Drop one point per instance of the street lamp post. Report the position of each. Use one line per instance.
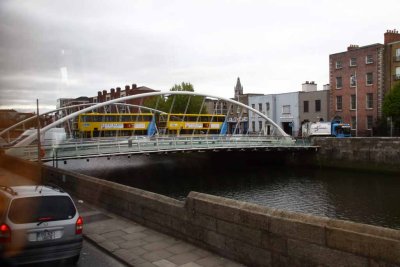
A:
(38, 133)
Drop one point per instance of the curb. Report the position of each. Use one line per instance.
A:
(109, 253)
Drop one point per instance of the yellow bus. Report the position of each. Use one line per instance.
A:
(114, 124)
(195, 124)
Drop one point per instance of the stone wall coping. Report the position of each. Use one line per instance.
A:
(124, 188)
(320, 221)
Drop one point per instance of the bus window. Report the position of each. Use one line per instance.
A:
(204, 118)
(147, 117)
(96, 118)
(125, 118)
(174, 118)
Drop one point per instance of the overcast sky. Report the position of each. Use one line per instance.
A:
(52, 49)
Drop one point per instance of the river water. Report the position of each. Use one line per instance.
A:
(370, 198)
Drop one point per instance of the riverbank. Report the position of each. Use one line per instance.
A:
(377, 154)
(248, 233)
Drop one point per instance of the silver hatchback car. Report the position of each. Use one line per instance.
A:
(38, 224)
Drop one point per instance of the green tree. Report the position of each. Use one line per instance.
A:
(391, 104)
(180, 103)
(156, 102)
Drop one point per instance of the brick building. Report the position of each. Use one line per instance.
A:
(392, 59)
(104, 95)
(359, 78)
(357, 86)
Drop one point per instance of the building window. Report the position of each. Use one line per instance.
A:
(397, 75)
(260, 107)
(353, 81)
(339, 102)
(353, 122)
(267, 104)
(253, 126)
(94, 99)
(369, 122)
(353, 62)
(260, 126)
(397, 57)
(317, 105)
(338, 64)
(305, 106)
(368, 59)
(353, 104)
(253, 106)
(339, 83)
(370, 101)
(268, 129)
(286, 109)
(369, 78)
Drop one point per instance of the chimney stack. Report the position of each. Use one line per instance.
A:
(309, 86)
(127, 92)
(391, 36)
(352, 47)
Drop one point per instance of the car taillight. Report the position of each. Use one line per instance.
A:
(79, 226)
(5, 233)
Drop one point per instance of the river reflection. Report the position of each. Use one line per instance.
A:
(356, 196)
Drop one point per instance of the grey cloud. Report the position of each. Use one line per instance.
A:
(273, 46)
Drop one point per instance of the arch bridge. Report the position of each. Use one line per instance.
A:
(153, 126)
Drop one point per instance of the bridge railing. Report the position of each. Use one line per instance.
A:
(136, 145)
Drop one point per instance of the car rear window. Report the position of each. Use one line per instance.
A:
(36, 209)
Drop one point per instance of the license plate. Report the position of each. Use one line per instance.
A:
(45, 235)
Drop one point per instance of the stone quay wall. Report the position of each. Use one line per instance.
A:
(371, 154)
(248, 233)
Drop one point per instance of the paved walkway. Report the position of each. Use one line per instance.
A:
(132, 243)
(140, 246)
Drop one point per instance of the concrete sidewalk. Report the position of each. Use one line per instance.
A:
(131, 243)
(140, 246)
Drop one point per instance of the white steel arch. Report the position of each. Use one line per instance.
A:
(33, 137)
(72, 107)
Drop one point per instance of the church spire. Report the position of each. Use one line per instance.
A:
(238, 88)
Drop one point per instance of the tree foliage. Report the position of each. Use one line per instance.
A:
(391, 103)
(156, 102)
(177, 103)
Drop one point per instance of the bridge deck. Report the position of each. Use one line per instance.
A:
(101, 147)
